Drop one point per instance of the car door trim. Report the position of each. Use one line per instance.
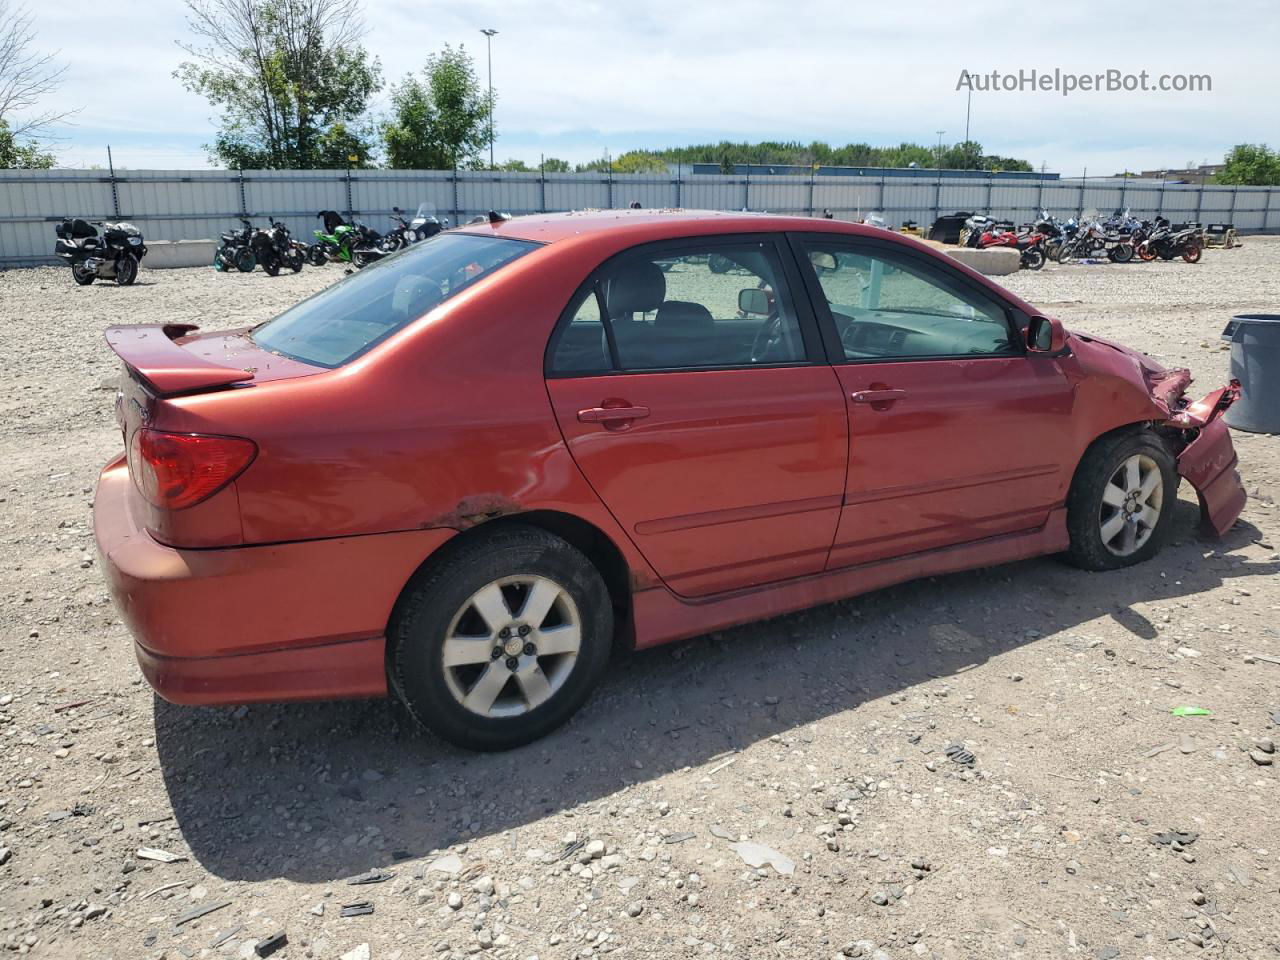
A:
(713, 518)
(916, 489)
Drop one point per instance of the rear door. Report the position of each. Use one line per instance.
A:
(955, 432)
(691, 388)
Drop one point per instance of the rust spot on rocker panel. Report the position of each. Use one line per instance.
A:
(474, 510)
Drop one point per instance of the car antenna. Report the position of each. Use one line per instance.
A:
(496, 217)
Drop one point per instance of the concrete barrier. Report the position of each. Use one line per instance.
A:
(167, 254)
(992, 262)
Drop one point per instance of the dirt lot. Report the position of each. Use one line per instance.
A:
(821, 735)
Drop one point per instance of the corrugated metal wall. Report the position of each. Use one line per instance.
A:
(196, 204)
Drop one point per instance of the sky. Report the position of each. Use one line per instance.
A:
(574, 79)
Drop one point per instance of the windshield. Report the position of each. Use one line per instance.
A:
(343, 321)
(425, 211)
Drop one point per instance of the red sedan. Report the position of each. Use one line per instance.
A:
(466, 472)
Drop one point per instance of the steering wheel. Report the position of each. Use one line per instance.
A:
(767, 337)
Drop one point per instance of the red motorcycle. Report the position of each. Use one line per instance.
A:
(1029, 245)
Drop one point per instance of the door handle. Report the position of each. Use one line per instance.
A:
(877, 396)
(611, 414)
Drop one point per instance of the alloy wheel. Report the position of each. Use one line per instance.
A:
(1132, 502)
(511, 646)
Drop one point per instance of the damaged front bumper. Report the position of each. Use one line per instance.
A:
(1209, 459)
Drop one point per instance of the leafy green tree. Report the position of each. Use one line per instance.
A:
(441, 120)
(555, 165)
(728, 155)
(15, 155)
(291, 79)
(1250, 164)
(516, 166)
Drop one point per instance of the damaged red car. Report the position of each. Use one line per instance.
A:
(465, 473)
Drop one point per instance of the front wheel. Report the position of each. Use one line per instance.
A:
(295, 259)
(1065, 252)
(1192, 253)
(126, 270)
(82, 275)
(271, 264)
(1121, 502)
(1146, 252)
(1121, 253)
(316, 255)
(502, 639)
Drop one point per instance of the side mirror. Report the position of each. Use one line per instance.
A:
(753, 301)
(1046, 335)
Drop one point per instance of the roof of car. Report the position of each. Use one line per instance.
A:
(652, 224)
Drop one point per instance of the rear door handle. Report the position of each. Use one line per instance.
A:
(611, 414)
(877, 396)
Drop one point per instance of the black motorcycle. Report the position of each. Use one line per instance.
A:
(275, 248)
(1166, 243)
(114, 255)
(236, 250)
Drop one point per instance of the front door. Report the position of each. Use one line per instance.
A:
(691, 390)
(955, 432)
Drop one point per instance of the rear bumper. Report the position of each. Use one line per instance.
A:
(292, 621)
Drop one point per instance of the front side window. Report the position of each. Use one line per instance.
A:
(889, 306)
(343, 321)
(704, 305)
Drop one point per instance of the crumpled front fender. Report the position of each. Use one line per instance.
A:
(1209, 460)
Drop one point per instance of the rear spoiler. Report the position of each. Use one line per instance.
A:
(151, 353)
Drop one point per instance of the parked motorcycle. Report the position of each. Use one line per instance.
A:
(1167, 243)
(352, 242)
(407, 232)
(1092, 240)
(1029, 245)
(236, 250)
(973, 229)
(115, 255)
(274, 249)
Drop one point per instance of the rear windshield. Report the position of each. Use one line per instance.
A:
(343, 321)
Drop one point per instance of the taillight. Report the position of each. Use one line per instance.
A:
(176, 470)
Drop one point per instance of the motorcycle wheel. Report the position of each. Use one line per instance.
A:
(1051, 250)
(271, 264)
(315, 255)
(1064, 252)
(245, 260)
(1192, 253)
(1033, 259)
(126, 270)
(82, 275)
(362, 258)
(1146, 252)
(1121, 253)
(295, 259)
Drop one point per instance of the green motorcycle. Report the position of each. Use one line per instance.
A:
(339, 240)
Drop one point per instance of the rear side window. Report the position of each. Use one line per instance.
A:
(707, 304)
(352, 316)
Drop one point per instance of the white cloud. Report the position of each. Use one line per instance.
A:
(575, 77)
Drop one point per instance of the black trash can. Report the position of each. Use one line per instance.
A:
(1255, 362)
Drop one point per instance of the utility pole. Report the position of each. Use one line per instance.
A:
(489, 34)
(940, 133)
(967, 106)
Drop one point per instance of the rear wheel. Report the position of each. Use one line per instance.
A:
(1146, 252)
(271, 263)
(82, 275)
(1121, 253)
(316, 255)
(295, 260)
(126, 270)
(1033, 258)
(502, 640)
(1121, 502)
(1192, 253)
(245, 260)
(1065, 252)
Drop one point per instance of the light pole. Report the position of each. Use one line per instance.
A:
(968, 104)
(488, 38)
(940, 133)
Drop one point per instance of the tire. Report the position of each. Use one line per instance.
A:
(1104, 475)
(1146, 252)
(1065, 251)
(126, 270)
(316, 256)
(295, 260)
(82, 275)
(441, 603)
(1192, 253)
(1033, 258)
(271, 263)
(1121, 253)
(245, 260)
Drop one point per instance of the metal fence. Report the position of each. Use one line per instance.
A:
(199, 204)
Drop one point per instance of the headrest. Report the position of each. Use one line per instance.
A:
(681, 315)
(638, 288)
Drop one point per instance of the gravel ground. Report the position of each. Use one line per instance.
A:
(821, 735)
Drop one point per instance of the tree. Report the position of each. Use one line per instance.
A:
(555, 165)
(291, 79)
(516, 166)
(25, 78)
(441, 120)
(1250, 164)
